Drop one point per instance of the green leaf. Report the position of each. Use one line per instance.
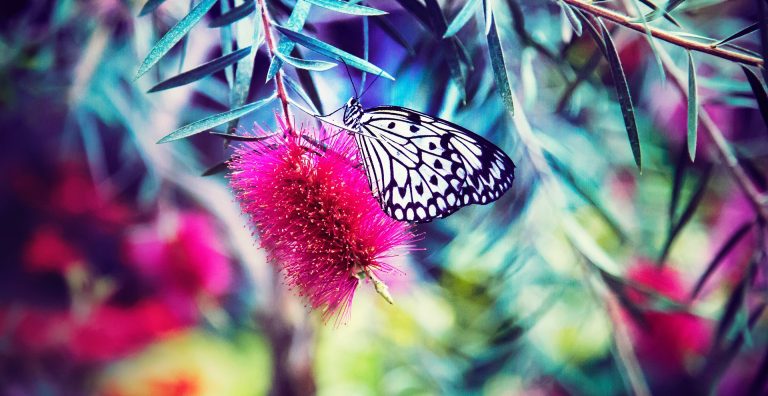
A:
(201, 71)
(687, 214)
(214, 120)
(693, 108)
(233, 15)
(622, 90)
(330, 51)
(285, 46)
(721, 254)
(743, 32)
(346, 8)
(150, 6)
(759, 90)
(499, 67)
(306, 64)
(461, 19)
(174, 35)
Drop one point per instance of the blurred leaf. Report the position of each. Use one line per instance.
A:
(233, 15)
(651, 41)
(346, 8)
(733, 306)
(247, 33)
(762, 19)
(743, 32)
(571, 17)
(461, 19)
(499, 67)
(285, 46)
(658, 12)
(221, 167)
(174, 35)
(678, 178)
(214, 120)
(622, 90)
(761, 378)
(150, 6)
(759, 90)
(306, 64)
(654, 7)
(693, 108)
(487, 15)
(451, 47)
(226, 43)
(394, 33)
(296, 87)
(687, 214)
(308, 85)
(201, 71)
(753, 171)
(333, 52)
(734, 239)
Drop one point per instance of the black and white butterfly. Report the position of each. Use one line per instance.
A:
(421, 167)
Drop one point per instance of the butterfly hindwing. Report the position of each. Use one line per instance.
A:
(421, 167)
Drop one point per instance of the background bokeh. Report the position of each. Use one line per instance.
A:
(125, 272)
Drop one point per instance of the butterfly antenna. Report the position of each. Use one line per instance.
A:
(346, 67)
(371, 84)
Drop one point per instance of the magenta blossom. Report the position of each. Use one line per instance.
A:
(316, 217)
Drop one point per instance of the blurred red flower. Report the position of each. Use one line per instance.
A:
(664, 341)
(48, 251)
(315, 214)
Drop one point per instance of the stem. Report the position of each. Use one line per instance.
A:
(280, 85)
(757, 199)
(664, 35)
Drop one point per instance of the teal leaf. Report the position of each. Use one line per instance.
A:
(687, 215)
(394, 33)
(247, 33)
(306, 64)
(461, 19)
(174, 35)
(759, 90)
(330, 51)
(693, 108)
(743, 32)
(622, 91)
(285, 46)
(201, 71)
(150, 6)
(570, 15)
(659, 12)
(214, 120)
(226, 43)
(296, 87)
(233, 15)
(499, 67)
(651, 41)
(346, 8)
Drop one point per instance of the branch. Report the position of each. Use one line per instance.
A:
(271, 47)
(664, 35)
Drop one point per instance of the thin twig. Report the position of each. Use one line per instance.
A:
(661, 34)
(271, 47)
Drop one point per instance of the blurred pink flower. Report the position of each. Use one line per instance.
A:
(105, 333)
(665, 341)
(315, 215)
(735, 211)
(181, 256)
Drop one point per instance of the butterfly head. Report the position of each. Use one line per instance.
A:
(353, 110)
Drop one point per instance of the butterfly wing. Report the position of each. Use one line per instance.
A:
(421, 167)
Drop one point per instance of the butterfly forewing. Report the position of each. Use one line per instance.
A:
(421, 167)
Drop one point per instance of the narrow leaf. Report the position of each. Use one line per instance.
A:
(296, 87)
(654, 7)
(734, 239)
(687, 214)
(226, 43)
(499, 67)
(759, 90)
(233, 15)
(285, 46)
(150, 6)
(221, 167)
(651, 41)
(451, 47)
(247, 33)
(625, 99)
(693, 108)
(461, 19)
(658, 12)
(394, 33)
(346, 8)
(174, 35)
(214, 120)
(572, 18)
(306, 64)
(333, 52)
(201, 71)
(743, 32)
(678, 178)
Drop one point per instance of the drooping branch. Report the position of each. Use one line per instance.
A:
(282, 95)
(670, 37)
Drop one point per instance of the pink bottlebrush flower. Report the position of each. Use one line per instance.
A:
(666, 341)
(316, 217)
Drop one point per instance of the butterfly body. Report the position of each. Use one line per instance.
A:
(421, 167)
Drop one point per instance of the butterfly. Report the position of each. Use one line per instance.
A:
(421, 167)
